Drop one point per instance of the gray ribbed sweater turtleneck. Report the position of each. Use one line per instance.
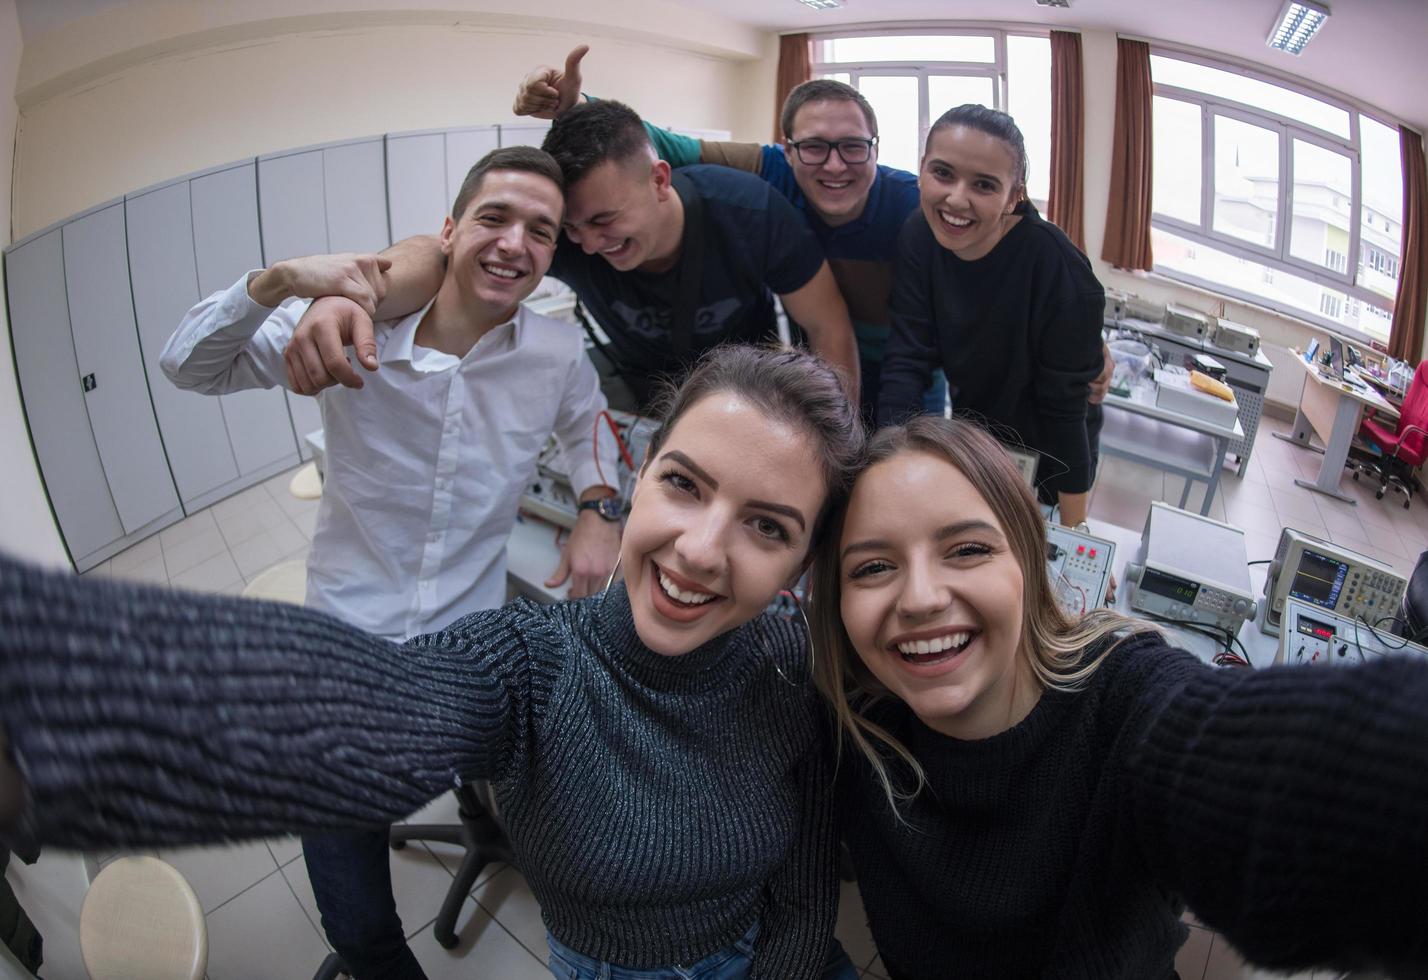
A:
(659, 805)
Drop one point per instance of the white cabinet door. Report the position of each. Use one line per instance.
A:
(354, 186)
(416, 184)
(165, 281)
(50, 384)
(226, 245)
(463, 148)
(106, 346)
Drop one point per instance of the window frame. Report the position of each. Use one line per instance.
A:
(1287, 129)
(995, 70)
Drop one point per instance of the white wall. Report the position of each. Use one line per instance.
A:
(278, 87)
(27, 527)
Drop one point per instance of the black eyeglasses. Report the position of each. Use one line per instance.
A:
(854, 149)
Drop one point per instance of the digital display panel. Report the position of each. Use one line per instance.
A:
(1319, 579)
(1179, 589)
(1316, 629)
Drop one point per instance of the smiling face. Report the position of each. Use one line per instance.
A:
(932, 596)
(720, 522)
(614, 211)
(969, 185)
(503, 243)
(838, 191)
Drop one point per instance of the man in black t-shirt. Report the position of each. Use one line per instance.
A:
(673, 263)
(669, 264)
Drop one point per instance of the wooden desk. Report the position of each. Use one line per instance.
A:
(1332, 411)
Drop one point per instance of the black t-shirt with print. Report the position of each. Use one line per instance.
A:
(754, 244)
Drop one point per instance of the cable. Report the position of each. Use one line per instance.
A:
(619, 444)
(1262, 561)
(1222, 658)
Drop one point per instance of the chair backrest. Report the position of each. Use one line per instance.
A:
(1414, 446)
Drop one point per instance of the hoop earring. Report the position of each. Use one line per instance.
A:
(605, 592)
(807, 629)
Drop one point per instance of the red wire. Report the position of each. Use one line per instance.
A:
(619, 444)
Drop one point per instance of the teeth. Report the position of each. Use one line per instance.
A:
(502, 273)
(940, 644)
(612, 249)
(953, 220)
(838, 186)
(688, 598)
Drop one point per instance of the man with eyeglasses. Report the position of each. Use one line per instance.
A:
(827, 169)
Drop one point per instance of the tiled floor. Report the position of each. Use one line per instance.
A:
(262, 919)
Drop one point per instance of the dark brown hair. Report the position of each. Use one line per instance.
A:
(789, 385)
(993, 123)
(524, 158)
(590, 133)
(824, 90)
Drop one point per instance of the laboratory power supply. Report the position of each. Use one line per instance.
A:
(1315, 636)
(1191, 569)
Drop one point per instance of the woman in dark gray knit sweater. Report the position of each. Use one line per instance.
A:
(1027, 796)
(657, 751)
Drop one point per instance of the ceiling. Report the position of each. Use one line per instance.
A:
(1372, 50)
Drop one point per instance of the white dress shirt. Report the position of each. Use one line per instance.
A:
(426, 464)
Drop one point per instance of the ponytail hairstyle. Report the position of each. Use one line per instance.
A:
(994, 123)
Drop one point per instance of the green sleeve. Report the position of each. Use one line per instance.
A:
(680, 151)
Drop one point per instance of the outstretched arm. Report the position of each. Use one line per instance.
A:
(141, 716)
(1289, 807)
(819, 309)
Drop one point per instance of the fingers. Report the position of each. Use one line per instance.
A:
(572, 60)
(364, 342)
(538, 95)
(334, 359)
(562, 571)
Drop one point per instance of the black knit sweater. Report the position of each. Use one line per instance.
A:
(1018, 332)
(1288, 807)
(658, 805)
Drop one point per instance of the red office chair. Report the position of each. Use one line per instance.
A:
(1403, 449)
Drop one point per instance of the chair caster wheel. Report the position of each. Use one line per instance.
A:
(1356, 476)
(398, 845)
(1405, 505)
(1378, 496)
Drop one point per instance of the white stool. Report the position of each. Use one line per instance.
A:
(284, 582)
(141, 921)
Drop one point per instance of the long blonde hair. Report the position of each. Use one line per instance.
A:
(1052, 641)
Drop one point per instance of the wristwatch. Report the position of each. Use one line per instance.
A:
(606, 507)
(1082, 527)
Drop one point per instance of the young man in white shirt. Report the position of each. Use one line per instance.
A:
(426, 463)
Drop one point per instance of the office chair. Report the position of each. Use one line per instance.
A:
(1404, 448)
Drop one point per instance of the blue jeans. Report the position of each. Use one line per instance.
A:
(351, 875)
(730, 963)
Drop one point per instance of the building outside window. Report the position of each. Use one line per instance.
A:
(911, 78)
(1263, 190)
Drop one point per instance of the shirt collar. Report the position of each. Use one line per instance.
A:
(401, 337)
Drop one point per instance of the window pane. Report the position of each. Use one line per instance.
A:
(1175, 184)
(909, 47)
(894, 100)
(1280, 290)
(838, 76)
(1246, 180)
(1029, 102)
(949, 91)
(1251, 92)
(1319, 219)
(1381, 232)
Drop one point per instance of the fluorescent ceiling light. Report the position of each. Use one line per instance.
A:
(822, 4)
(1299, 21)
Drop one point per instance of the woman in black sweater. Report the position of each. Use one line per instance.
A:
(657, 751)
(1002, 301)
(1029, 796)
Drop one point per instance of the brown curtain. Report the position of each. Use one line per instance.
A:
(795, 66)
(1066, 207)
(1410, 308)
(1127, 243)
